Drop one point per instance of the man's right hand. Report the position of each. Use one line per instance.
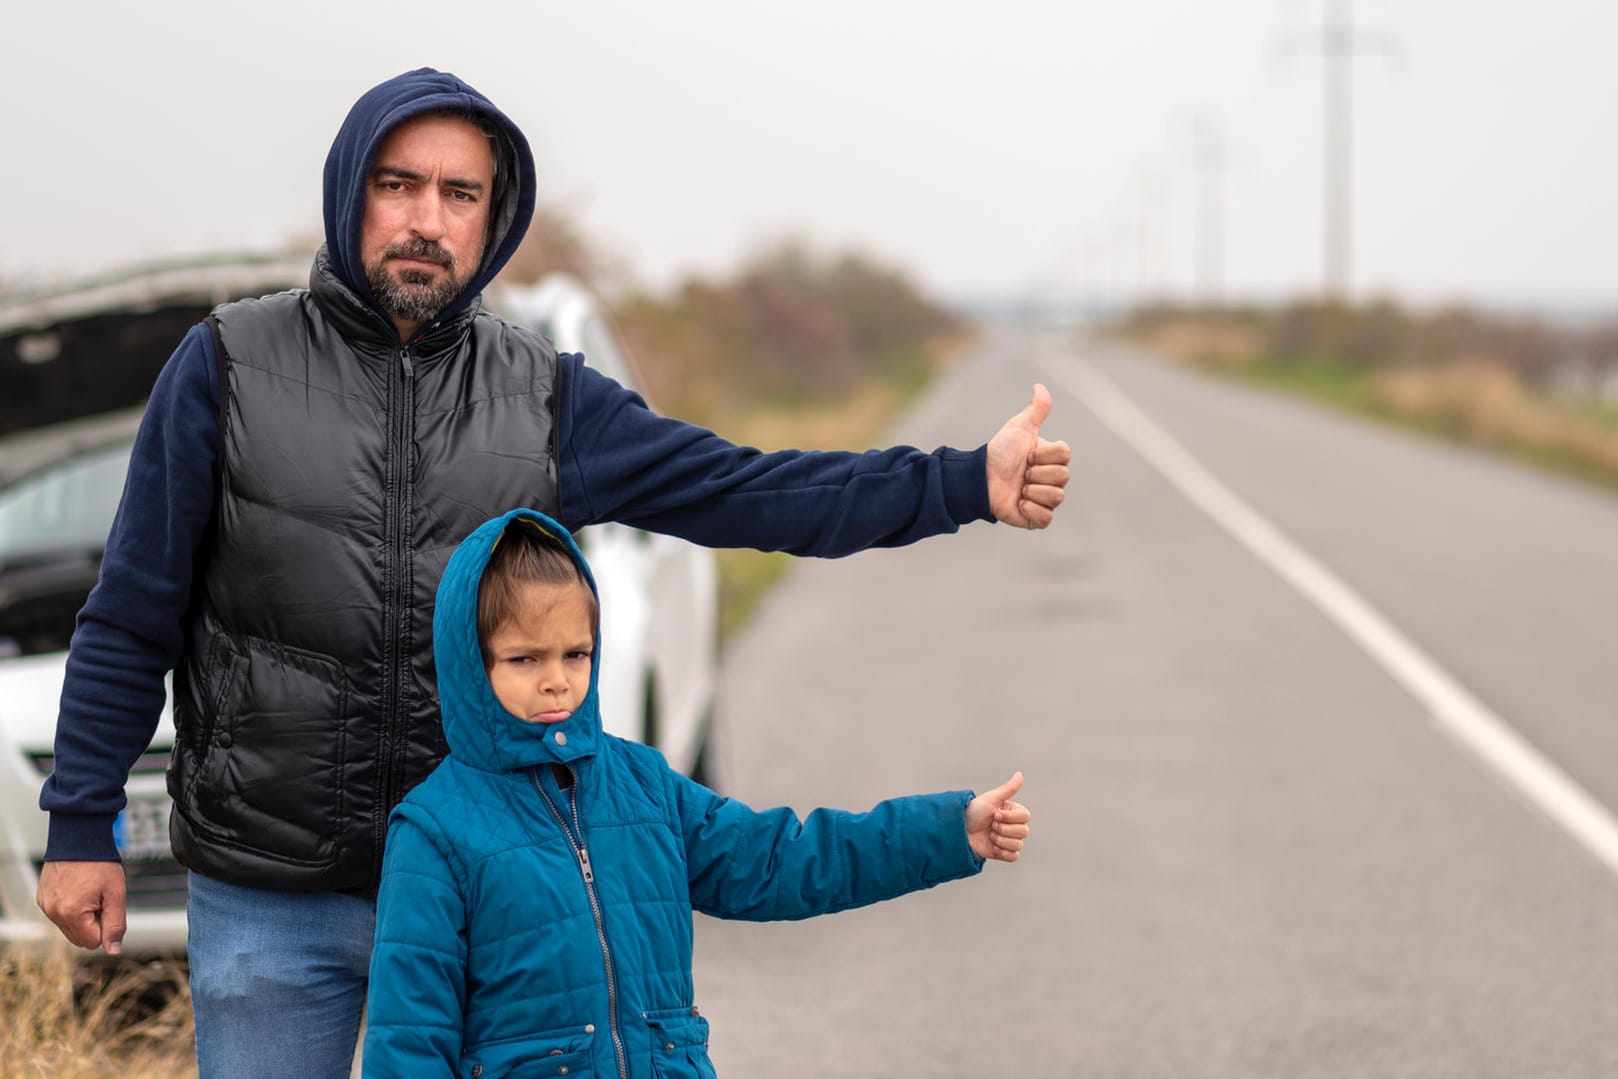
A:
(86, 901)
(1026, 473)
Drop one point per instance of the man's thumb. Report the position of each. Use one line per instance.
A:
(1038, 408)
(114, 923)
(1007, 790)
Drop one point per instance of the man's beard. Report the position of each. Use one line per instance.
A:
(414, 295)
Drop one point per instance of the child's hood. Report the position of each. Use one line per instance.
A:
(480, 732)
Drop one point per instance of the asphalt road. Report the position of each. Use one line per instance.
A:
(1256, 851)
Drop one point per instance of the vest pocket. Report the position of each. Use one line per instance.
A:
(680, 1046)
(271, 774)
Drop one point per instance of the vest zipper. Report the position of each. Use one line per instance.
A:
(575, 838)
(396, 659)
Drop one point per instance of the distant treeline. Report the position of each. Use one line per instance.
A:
(1384, 335)
(789, 327)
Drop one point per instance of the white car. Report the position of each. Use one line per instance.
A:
(659, 595)
(73, 363)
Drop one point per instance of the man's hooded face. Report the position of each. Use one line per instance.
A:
(426, 217)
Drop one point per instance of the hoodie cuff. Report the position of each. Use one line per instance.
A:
(81, 838)
(966, 484)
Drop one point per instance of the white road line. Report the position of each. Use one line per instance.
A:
(1456, 712)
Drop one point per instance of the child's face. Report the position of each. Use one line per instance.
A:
(539, 661)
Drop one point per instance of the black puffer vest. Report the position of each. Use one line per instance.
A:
(350, 467)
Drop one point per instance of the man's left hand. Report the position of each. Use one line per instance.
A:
(1027, 473)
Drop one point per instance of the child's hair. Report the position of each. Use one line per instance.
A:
(523, 555)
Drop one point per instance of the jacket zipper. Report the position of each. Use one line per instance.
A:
(395, 658)
(575, 838)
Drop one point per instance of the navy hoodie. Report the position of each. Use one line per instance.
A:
(617, 461)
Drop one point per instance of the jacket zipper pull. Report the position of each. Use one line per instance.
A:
(584, 863)
(404, 358)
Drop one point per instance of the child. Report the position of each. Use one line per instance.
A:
(535, 910)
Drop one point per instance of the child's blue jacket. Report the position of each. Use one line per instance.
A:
(527, 930)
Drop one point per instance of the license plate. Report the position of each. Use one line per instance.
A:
(142, 829)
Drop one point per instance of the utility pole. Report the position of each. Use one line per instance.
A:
(1150, 195)
(1339, 44)
(1208, 161)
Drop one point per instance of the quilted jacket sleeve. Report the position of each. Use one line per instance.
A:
(771, 866)
(417, 999)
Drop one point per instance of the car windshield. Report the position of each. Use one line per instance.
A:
(67, 506)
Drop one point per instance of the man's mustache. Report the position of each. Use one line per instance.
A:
(426, 250)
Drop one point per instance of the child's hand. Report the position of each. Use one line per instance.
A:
(995, 825)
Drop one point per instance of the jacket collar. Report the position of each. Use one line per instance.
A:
(367, 329)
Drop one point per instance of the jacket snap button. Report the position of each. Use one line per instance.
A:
(561, 738)
(477, 1070)
(589, 1028)
(562, 1070)
(224, 739)
(670, 1046)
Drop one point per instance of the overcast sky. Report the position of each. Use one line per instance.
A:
(991, 149)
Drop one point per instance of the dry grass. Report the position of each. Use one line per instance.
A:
(1477, 401)
(65, 1019)
(1222, 346)
(1485, 404)
(854, 422)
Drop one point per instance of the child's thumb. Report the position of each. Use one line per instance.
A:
(1007, 790)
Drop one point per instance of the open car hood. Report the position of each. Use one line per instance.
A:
(95, 346)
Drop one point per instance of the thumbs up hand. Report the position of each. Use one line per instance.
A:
(1026, 472)
(995, 825)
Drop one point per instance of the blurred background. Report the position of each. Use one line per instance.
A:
(1324, 291)
(1070, 147)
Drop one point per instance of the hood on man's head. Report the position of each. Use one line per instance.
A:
(480, 732)
(348, 167)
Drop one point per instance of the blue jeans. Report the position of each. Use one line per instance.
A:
(277, 980)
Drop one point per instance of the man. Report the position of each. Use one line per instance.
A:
(306, 463)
